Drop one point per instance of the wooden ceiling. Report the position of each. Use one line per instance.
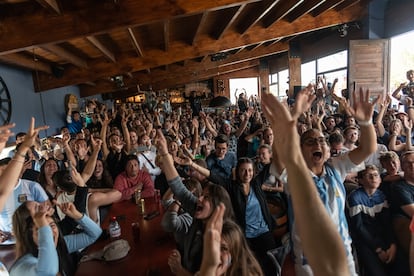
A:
(157, 43)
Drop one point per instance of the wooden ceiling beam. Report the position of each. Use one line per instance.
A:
(70, 57)
(219, 35)
(345, 4)
(51, 5)
(257, 15)
(194, 66)
(135, 43)
(303, 9)
(166, 32)
(279, 11)
(80, 23)
(203, 20)
(174, 77)
(101, 47)
(327, 5)
(205, 46)
(27, 63)
(183, 79)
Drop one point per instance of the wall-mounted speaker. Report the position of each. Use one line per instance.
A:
(294, 49)
(57, 71)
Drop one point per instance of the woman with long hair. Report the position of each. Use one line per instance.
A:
(226, 251)
(47, 170)
(41, 249)
(200, 208)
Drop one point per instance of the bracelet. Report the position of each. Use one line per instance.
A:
(411, 106)
(20, 154)
(18, 161)
(365, 123)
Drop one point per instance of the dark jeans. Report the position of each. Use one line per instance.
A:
(371, 265)
(260, 245)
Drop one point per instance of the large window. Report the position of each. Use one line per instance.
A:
(249, 86)
(402, 58)
(331, 67)
(279, 83)
(308, 72)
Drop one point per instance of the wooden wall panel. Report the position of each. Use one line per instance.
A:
(369, 65)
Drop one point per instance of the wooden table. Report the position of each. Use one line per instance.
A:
(147, 257)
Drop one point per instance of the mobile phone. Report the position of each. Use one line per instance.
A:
(151, 215)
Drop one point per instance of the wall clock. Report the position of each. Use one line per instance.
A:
(5, 103)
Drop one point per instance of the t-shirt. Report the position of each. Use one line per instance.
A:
(332, 194)
(25, 190)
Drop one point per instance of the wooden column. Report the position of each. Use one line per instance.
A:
(295, 61)
(263, 77)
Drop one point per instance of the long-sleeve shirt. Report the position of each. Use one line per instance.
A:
(370, 219)
(127, 185)
(47, 262)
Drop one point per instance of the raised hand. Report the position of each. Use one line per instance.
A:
(32, 134)
(69, 209)
(362, 108)
(282, 123)
(39, 212)
(212, 240)
(5, 133)
(303, 101)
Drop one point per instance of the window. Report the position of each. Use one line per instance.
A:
(332, 62)
(308, 73)
(249, 86)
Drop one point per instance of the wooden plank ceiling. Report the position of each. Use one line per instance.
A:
(112, 46)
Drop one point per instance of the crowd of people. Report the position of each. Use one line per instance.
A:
(329, 177)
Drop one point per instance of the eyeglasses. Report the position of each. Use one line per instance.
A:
(314, 141)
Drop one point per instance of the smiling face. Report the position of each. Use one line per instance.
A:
(50, 168)
(245, 172)
(314, 148)
(98, 169)
(264, 155)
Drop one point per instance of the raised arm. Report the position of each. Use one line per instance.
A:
(125, 131)
(104, 129)
(243, 125)
(203, 117)
(362, 109)
(321, 241)
(396, 94)
(68, 150)
(11, 174)
(378, 120)
(91, 164)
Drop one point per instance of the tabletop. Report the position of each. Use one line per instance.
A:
(147, 256)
